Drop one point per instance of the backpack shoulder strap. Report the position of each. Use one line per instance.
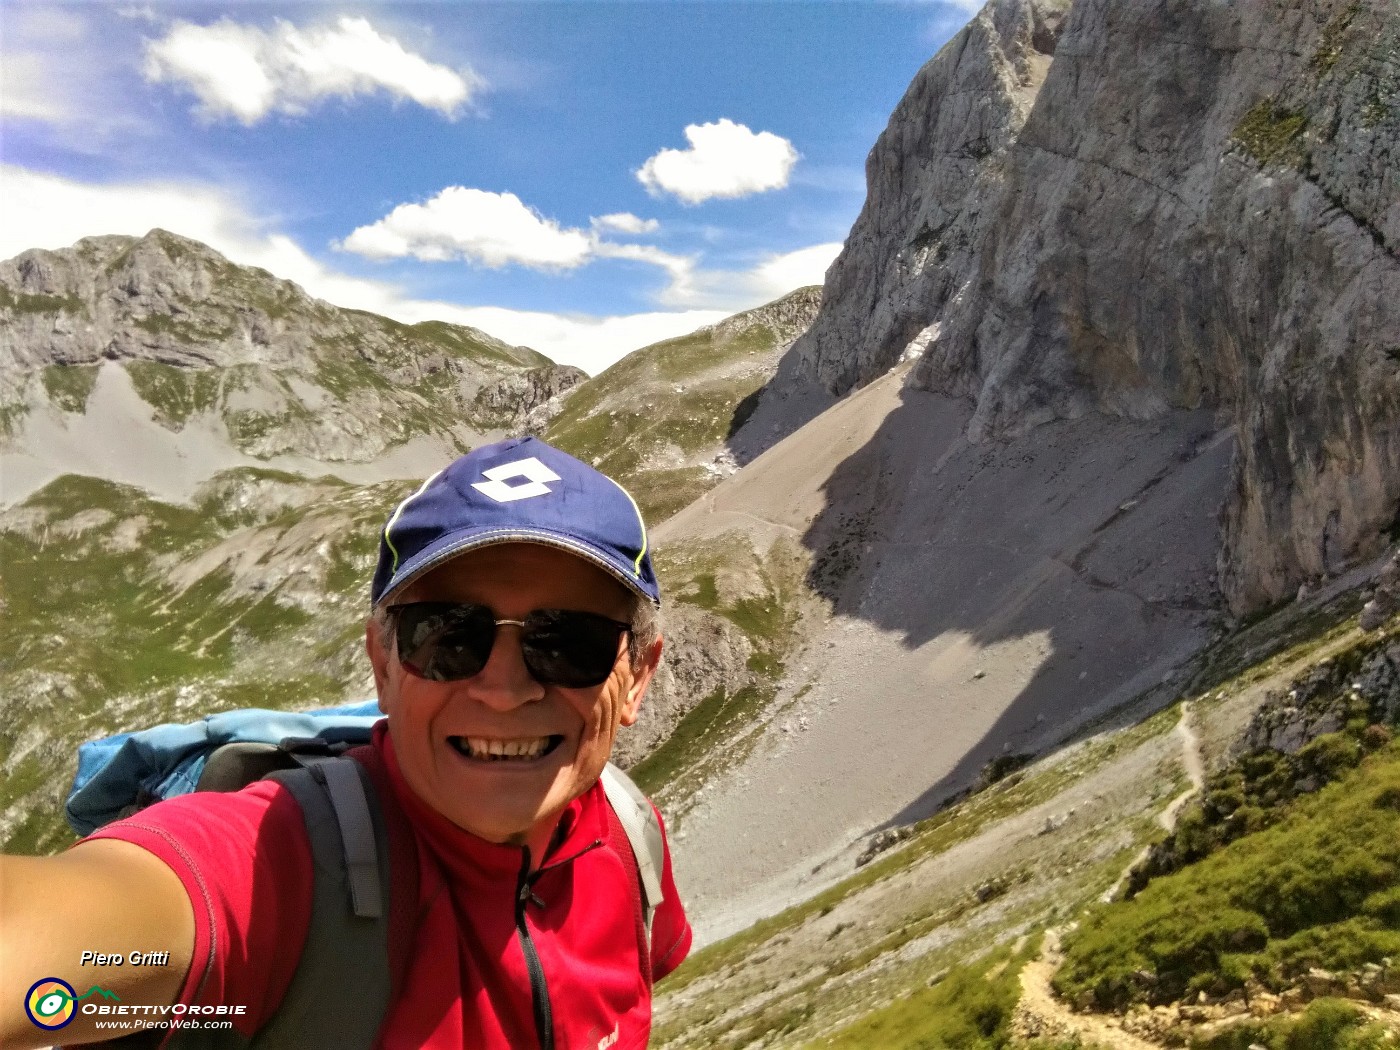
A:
(341, 988)
(643, 830)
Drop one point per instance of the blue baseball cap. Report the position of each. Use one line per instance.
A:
(517, 491)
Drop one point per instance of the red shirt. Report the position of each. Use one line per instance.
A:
(245, 862)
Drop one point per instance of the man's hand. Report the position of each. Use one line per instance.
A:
(105, 897)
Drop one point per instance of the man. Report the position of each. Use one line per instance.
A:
(512, 634)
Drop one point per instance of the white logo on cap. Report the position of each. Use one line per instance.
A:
(535, 473)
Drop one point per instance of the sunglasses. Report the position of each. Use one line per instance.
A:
(449, 641)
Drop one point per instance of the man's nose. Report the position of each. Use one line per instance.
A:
(505, 682)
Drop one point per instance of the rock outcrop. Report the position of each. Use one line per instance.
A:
(662, 420)
(529, 400)
(704, 654)
(1199, 207)
(1385, 602)
(1325, 698)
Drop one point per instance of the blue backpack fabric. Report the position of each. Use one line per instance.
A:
(127, 772)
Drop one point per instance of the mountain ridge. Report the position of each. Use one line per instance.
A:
(208, 365)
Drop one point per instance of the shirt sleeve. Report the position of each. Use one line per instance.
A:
(670, 929)
(245, 862)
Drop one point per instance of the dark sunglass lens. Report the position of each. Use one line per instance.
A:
(444, 641)
(571, 649)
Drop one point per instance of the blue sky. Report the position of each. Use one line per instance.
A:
(584, 178)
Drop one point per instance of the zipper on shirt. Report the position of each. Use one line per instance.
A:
(539, 991)
(524, 895)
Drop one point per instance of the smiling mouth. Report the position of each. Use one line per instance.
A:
(520, 749)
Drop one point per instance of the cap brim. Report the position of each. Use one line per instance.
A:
(460, 543)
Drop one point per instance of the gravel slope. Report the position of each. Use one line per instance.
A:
(987, 599)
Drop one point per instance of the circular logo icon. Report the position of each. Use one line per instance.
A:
(49, 1003)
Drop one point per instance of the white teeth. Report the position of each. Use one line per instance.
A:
(481, 747)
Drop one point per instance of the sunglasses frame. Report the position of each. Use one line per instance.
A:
(530, 656)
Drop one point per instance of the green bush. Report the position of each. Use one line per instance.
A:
(1318, 888)
(1258, 789)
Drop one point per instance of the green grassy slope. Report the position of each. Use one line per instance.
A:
(1287, 862)
(121, 612)
(658, 418)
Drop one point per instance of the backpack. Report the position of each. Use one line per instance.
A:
(347, 941)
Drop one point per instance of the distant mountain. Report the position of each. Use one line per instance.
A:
(660, 420)
(207, 365)
(122, 611)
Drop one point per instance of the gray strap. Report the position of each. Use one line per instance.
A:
(347, 794)
(638, 819)
(340, 990)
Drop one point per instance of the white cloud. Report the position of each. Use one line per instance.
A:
(49, 211)
(47, 64)
(26, 92)
(725, 159)
(493, 229)
(680, 267)
(244, 72)
(497, 229)
(771, 276)
(780, 274)
(623, 222)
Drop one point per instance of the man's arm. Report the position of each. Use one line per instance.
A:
(105, 896)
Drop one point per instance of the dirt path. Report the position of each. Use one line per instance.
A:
(1193, 760)
(1040, 1013)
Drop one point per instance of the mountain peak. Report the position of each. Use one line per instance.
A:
(270, 369)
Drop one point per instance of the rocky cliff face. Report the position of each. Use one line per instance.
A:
(285, 373)
(704, 654)
(1199, 207)
(931, 179)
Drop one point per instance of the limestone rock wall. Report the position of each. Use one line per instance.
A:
(1213, 220)
(1199, 207)
(930, 177)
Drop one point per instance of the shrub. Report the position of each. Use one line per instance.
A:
(1318, 888)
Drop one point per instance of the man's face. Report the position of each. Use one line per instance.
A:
(439, 728)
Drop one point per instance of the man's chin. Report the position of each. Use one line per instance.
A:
(516, 812)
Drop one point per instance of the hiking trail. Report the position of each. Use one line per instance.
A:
(1039, 1013)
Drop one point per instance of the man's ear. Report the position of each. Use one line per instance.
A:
(642, 674)
(377, 648)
